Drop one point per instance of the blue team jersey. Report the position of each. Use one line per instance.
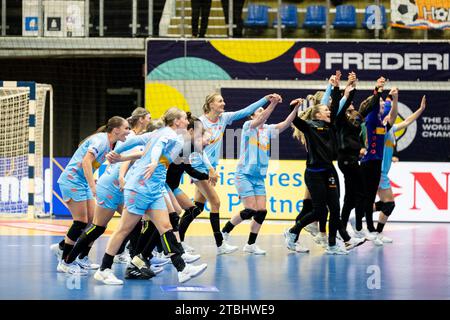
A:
(199, 161)
(164, 147)
(255, 149)
(98, 144)
(376, 132)
(216, 129)
(388, 151)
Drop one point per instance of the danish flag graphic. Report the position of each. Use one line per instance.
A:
(307, 60)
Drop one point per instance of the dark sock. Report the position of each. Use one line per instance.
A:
(61, 244)
(85, 252)
(228, 227)
(107, 262)
(252, 238)
(122, 246)
(178, 262)
(378, 206)
(185, 221)
(380, 227)
(66, 250)
(214, 219)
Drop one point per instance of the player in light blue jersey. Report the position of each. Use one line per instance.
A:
(252, 170)
(143, 195)
(386, 204)
(215, 120)
(78, 188)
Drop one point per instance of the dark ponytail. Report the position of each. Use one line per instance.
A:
(114, 122)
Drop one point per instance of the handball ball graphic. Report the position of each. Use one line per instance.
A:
(405, 12)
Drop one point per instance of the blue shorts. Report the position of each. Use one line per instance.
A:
(249, 186)
(177, 191)
(75, 192)
(385, 183)
(109, 198)
(138, 203)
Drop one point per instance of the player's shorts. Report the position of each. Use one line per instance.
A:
(138, 203)
(76, 192)
(248, 186)
(385, 183)
(177, 191)
(109, 198)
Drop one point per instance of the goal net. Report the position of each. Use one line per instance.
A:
(22, 113)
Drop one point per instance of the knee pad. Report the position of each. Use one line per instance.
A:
(196, 212)
(247, 214)
(379, 205)
(93, 232)
(387, 208)
(200, 205)
(260, 216)
(170, 244)
(174, 220)
(76, 230)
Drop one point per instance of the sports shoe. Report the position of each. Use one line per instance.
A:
(86, 264)
(226, 248)
(371, 236)
(190, 271)
(312, 229)
(300, 249)
(140, 262)
(336, 250)
(359, 234)
(384, 239)
(321, 239)
(253, 249)
(225, 236)
(123, 258)
(156, 269)
(377, 241)
(187, 248)
(56, 250)
(354, 242)
(189, 258)
(107, 277)
(157, 261)
(289, 239)
(71, 268)
(134, 273)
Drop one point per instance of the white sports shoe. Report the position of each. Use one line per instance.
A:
(72, 268)
(253, 249)
(156, 269)
(384, 239)
(226, 236)
(354, 242)
(189, 258)
(86, 264)
(371, 236)
(56, 250)
(359, 234)
(336, 250)
(289, 239)
(123, 258)
(190, 271)
(107, 277)
(187, 248)
(321, 239)
(312, 229)
(157, 261)
(377, 241)
(300, 249)
(226, 248)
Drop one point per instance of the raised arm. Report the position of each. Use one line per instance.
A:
(287, 122)
(299, 123)
(394, 110)
(263, 116)
(414, 116)
(131, 142)
(237, 115)
(375, 100)
(349, 93)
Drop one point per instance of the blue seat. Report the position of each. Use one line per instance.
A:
(369, 12)
(345, 17)
(288, 13)
(315, 17)
(257, 16)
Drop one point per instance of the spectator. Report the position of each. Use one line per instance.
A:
(237, 16)
(200, 7)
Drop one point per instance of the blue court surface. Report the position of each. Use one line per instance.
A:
(415, 266)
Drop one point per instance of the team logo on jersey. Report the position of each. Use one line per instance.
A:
(405, 136)
(307, 60)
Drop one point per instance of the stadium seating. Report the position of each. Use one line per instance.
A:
(370, 11)
(315, 17)
(258, 16)
(288, 15)
(345, 17)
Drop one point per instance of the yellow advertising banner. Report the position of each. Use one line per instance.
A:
(285, 187)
